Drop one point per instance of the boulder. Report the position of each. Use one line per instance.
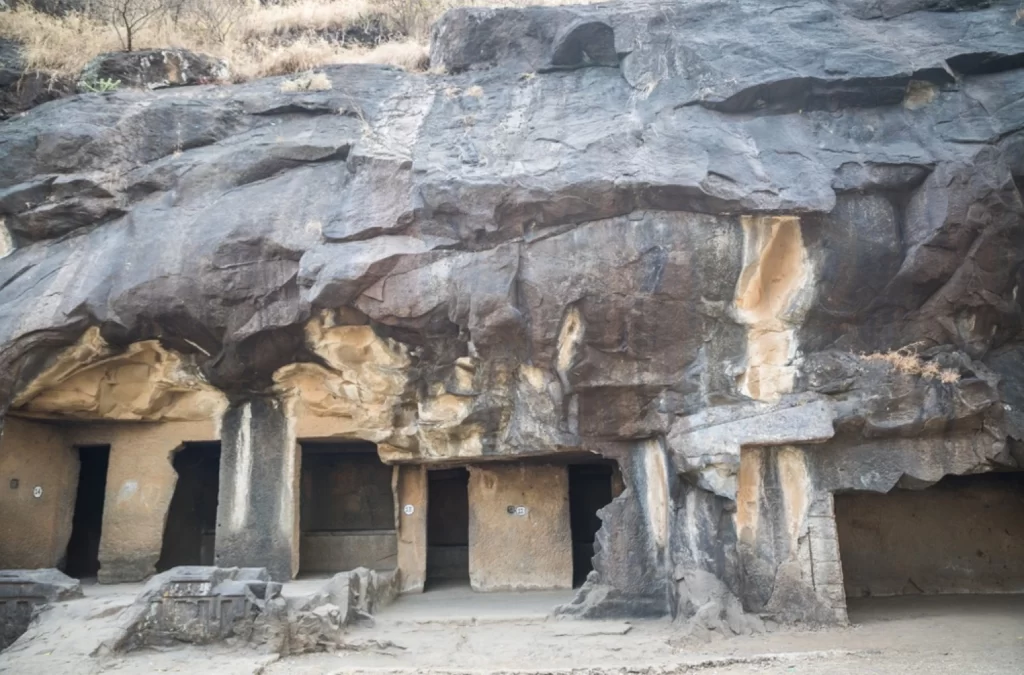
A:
(21, 88)
(203, 605)
(45, 585)
(198, 605)
(153, 69)
(22, 592)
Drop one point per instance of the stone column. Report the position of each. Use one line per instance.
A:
(786, 539)
(633, 572)
(632, 556)
(140, 484)
(824, 545)
(411, 491)
(257, 509)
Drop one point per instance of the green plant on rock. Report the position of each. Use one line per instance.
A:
(100, 85)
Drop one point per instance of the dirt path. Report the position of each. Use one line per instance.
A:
(906, 636)
(898, 636)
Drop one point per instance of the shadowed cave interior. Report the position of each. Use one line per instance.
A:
(192, 517)
(347, 509)
(963, 535)
(447, 527)
(82, 560)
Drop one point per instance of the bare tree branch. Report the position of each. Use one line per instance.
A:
(128, 16)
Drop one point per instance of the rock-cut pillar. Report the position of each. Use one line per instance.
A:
(257, 509)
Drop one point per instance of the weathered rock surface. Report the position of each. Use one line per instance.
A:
(21, 88)
(663, 232)
(203, 605)
(197, 605)
(47, 585)
(23, 591)
(154, 69)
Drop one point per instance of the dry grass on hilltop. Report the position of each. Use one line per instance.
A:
(257, 40)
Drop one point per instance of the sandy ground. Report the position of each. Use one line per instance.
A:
(456, 631)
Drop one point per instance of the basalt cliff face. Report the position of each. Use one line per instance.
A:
(668, 233)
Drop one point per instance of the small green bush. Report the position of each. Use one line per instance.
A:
(99, 86)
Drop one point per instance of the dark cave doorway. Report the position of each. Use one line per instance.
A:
(190, 530)
(962, 536)
(83, 553)
(447, 527)
(590, 489)
(346, 509)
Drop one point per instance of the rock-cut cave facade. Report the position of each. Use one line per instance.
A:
(724, 329)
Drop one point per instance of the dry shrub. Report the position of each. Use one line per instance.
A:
(64, 45)
(902, 360)
(309, 82)
(410, 55)
(305, 15)
(905, 361)
(256, 40)
(214, 21)
(266, 61)
(308, 53)
(949, 376)
(414, 17)
(128, 17)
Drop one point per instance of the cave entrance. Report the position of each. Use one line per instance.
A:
(962, 536)
(447, 527)
(83, 552)
(590, 489)
(347, 509)
(189, 533)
